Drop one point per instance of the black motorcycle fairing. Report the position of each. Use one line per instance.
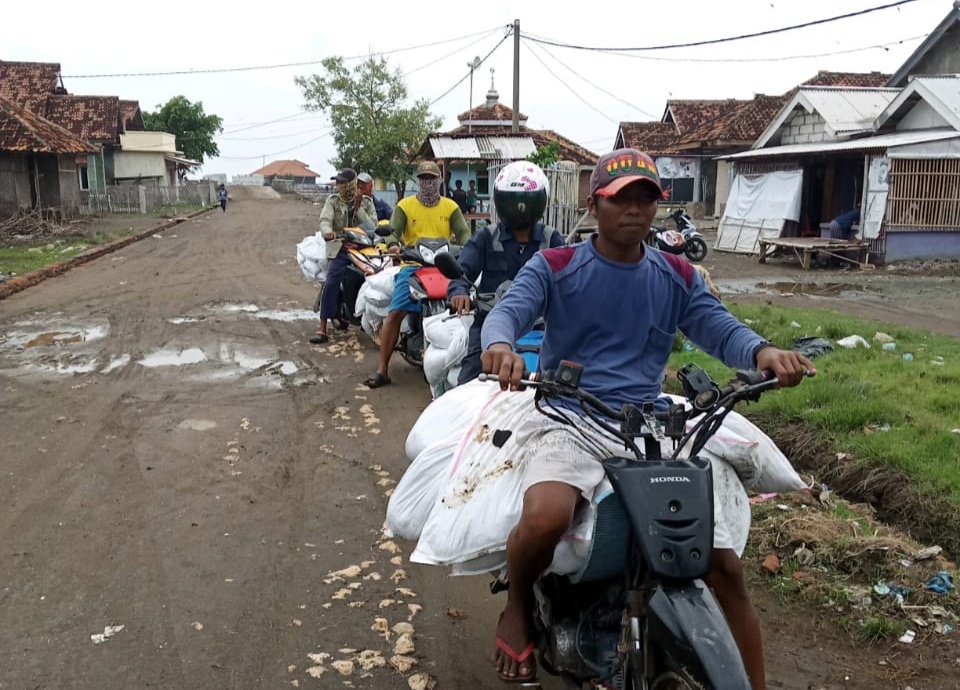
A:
(670, 506)
(690, 629)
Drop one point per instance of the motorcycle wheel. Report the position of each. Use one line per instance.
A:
(696, 249)
(671, 677)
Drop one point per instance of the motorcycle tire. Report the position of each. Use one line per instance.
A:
(695, 249)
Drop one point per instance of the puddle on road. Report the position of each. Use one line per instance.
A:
(197, 424)
(116, 363)
(234, 308)
(288, 315)
(744, 287)
(183, 319)
(173, 358)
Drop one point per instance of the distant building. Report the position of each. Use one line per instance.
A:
(293, 171)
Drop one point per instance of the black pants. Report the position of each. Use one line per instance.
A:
(471, 367)
(223, 205)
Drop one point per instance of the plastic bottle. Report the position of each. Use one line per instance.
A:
(889, 347)
(907, 357)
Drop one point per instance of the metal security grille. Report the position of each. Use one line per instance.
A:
(924, 195)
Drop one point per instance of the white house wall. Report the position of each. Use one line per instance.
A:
(804, 128)
(133, 164)
(922, 116)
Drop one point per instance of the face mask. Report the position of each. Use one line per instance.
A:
(429, 190)
(347, 191)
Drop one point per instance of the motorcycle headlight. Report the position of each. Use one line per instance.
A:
(427, 254)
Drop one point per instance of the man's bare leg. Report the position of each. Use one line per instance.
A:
(389, 335)
(547, 514)
(729, 585)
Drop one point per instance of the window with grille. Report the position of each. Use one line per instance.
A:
(924, 195)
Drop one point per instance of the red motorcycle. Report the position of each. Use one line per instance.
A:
(429, 287)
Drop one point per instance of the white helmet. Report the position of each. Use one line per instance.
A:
(520, 194)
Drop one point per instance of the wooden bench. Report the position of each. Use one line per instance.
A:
(805, 247)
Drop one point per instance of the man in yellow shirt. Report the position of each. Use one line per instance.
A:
(426, 215)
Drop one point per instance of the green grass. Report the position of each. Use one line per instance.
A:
(858, 393)
(25, 258)
(177, 210)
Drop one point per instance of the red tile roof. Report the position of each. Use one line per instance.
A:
(741, 124)
(131, 116)
(23, 131)
(865, 79)
(692, 115)
(655, 138)
(94, 118)
(292, 168)
(29, 83)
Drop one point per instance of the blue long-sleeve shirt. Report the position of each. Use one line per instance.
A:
(497, 254)
(617, 320)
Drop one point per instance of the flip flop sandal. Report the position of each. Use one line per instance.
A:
(519, 657)
(376, 380)
(319, 339)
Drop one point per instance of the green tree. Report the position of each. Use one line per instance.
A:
(194, 129)
(546, 155)
(374, 129)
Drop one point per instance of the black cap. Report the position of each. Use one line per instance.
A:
(345, 175)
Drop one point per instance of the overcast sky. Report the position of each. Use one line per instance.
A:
(97, 37)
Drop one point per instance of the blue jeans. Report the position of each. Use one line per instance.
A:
(336, 268)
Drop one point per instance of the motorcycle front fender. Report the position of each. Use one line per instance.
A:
(685, 622)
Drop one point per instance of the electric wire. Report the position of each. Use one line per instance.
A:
(726, 39)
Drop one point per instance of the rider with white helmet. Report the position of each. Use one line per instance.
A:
(520, 194)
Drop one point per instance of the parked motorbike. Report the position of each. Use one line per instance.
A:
(686, 239)
(695, 246)
(366, 259)
(640, 616)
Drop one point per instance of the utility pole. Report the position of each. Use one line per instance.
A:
(516, 75)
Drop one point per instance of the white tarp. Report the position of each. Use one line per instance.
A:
(757, 208)
(878, 182)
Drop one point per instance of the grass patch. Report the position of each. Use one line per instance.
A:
(174, 211)
(28, 257)
(871, 403)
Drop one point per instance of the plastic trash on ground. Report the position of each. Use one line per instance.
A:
(853, 341)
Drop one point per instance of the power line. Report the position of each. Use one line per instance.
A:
(594, 85)
(450, 54)
(306, 63)
(465, 76)
(277, 153)
(727, 39)
(782, 58)
(569, 88)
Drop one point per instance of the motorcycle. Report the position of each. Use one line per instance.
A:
(427, 286)
(640, 616)
(366, 259)
(686, 239)
(527, 345)
(695, 246)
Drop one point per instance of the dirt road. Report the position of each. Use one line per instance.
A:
(176, 459)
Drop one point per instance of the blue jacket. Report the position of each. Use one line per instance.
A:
(496, 254)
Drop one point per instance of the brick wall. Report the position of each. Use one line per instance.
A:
(804, 128)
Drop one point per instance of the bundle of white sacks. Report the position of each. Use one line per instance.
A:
(373, 300)
(461, 495)
(312, 257)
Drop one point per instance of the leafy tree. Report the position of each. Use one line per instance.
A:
(546, 155)
(194, 129)
(374, 129)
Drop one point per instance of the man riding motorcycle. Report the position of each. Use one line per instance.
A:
(520, 194)
(422, 216)
(343, 209)
(614, 305)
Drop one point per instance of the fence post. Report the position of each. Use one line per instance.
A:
(142, 193)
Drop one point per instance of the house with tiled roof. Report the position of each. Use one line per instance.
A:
(692, 133)
(484, 141)
(294, 171)
(38, 162)
(124, 152)
(890, 156)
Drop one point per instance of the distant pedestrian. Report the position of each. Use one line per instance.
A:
(460, 196)
(223, 198)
